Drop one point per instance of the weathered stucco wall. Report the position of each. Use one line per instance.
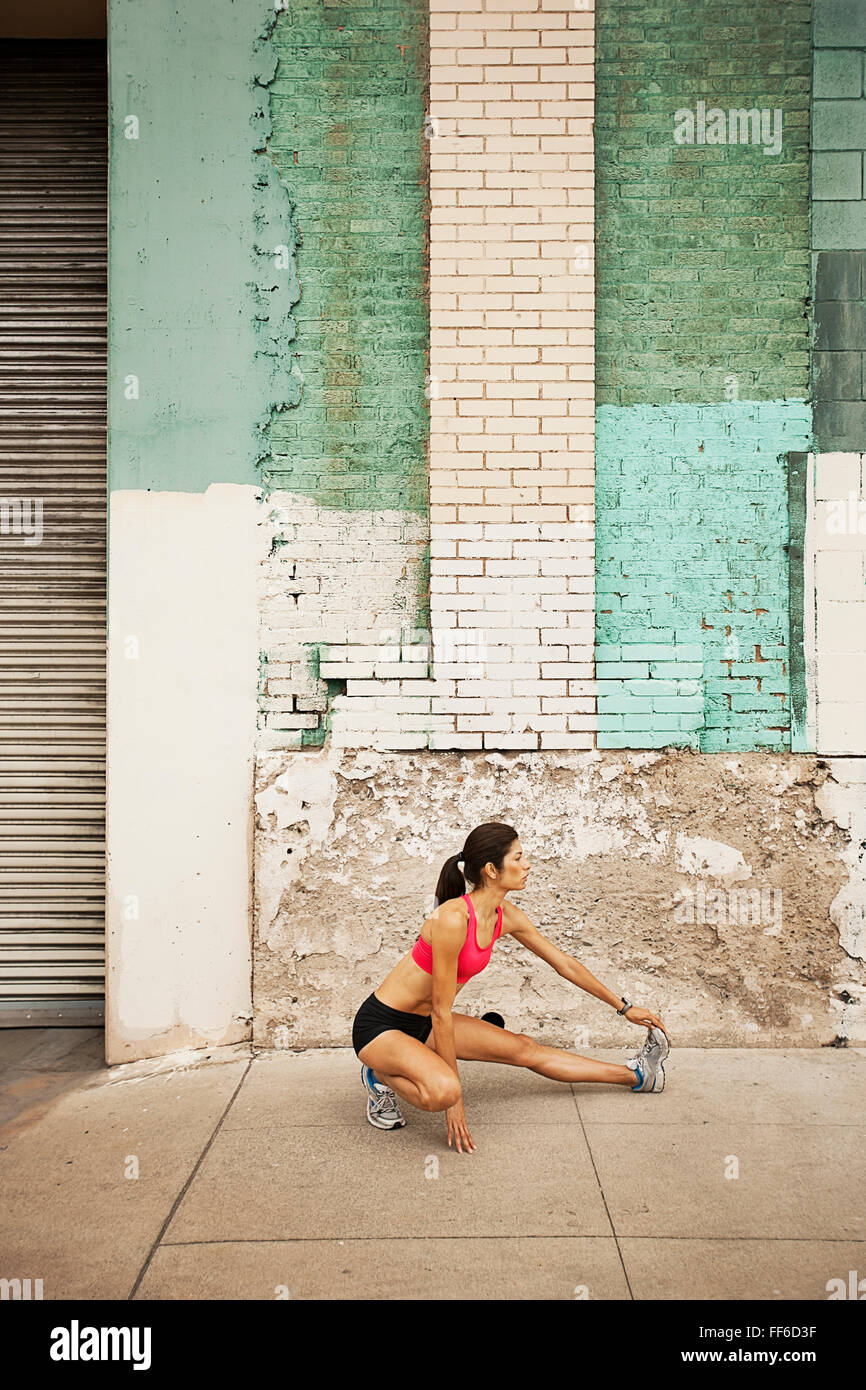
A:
(201, 288)
(350, 843)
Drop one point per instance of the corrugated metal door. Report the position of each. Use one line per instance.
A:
(53, 275)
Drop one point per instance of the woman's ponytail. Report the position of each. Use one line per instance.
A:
(486, 844)
(452, 879)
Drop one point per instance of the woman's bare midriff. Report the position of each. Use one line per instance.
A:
(409, 988)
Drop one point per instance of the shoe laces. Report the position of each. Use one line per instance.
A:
(386, 1105)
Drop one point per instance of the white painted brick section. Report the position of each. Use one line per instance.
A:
(840, 602)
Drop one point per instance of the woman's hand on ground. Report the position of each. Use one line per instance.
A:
(645, 1016)
(457, 1126)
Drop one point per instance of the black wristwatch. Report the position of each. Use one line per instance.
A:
(625, 1006)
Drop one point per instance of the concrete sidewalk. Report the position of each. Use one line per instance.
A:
(259, 1172)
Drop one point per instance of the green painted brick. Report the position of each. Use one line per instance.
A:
(347, 105)
(837, 376)
(837, 175)
(839, 125)
(610, 670)
(837, 73)
(681, 230)
(839, 23)
(839, 226)
(840, 425)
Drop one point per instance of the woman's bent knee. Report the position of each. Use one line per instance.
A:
(441, 1094)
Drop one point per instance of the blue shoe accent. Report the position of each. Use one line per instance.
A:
(639, 1076)
(372, 1078)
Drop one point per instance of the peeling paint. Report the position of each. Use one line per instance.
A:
(609, 834)
(696, 855)
(842, 799)
(277, 285)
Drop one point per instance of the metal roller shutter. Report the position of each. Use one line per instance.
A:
(53, 299)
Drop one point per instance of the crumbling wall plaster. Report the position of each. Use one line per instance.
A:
(713, 889)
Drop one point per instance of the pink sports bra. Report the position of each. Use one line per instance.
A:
(472, 959)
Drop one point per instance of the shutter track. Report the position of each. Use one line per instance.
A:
(53, 344)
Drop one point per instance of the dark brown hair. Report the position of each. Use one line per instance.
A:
(486, 844)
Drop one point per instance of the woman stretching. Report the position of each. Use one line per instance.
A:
(408, 1037)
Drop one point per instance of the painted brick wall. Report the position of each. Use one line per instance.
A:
(503, 655)
(511, 327)
(702, 368)
(836, 552)
(345, 463)
(839, 223)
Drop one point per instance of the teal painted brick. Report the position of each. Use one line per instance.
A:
(702, 355)
(637, 651)
(751, 700)
(609, 722)
(607, 653)
(725, 556)
(765, 670)
(677, 670)
(691, 721)
(609, 670)
(680, 703)
(647, 739)
(651, 688)
(662, 723)
(617, 702)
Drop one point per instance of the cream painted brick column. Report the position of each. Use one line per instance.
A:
(512, 372)
(840, 602)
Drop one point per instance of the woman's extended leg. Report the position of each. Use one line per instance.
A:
(477, 1041)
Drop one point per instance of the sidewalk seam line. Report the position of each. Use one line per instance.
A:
(180, 1196)
(601, 1191)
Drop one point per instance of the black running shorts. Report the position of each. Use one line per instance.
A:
(374, 1018)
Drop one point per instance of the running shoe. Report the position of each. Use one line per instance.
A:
(643, 1082)
(656, 1043)
(382, 1109)
(649, 1066)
